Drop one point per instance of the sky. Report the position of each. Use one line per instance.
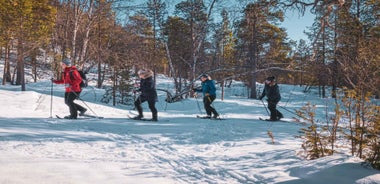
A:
(36, 147)
(294, 23)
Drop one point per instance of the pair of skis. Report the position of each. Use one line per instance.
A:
(87, 116)
(144, 119)
(262, 119)
(210, 118)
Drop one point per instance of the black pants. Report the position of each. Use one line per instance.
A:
(207, 101)
(151, 103)
(69, 101)
(274, 113)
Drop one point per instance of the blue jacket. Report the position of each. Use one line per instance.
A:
(208, 86)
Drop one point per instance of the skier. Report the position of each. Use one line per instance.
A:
(209, 94)
(148, 93)
(72, 79)
(272, 92)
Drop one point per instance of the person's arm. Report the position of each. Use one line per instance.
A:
(262, 94)
(60, 81)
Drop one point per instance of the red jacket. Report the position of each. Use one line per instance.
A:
(72, 82)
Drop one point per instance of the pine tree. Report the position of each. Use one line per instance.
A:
(261, 43)
(316, 138)
(29, 24)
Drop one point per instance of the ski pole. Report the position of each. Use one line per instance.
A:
(289, 111)
(199, 107)
(51, 99)
(76, 94)
(269, 132)
(266, 109)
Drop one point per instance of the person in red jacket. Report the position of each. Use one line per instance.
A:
(72, 79)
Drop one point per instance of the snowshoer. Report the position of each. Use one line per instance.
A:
(209, 95)
(148, 93)
(72, 79)
(272, 92)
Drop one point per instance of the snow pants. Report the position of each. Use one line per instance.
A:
(69, 101)
(274, 113)
(207, 101)
(151, 104)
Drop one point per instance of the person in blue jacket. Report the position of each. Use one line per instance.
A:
(272, 92)
(209, 94)
(148, 93)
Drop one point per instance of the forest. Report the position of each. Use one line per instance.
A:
(241, 44)
(115, 38)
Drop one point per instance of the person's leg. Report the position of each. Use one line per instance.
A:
(139, 109)
(207, 105)
(279, 115)
(152, 107)
(69, 100)
(272, 109)
(212, 109)
(79, 108)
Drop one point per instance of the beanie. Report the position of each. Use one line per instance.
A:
(204, 76)
(272, 78)
(67, 61)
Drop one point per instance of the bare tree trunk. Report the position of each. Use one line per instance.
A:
(34, 64)
(171, 67)
(253, 61)
(77, 17)
(86, 39)
(114, 87)
(20, 79)
(7, 72)
(222, 84)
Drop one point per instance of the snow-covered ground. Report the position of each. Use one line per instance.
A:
(179, 148)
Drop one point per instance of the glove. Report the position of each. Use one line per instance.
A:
(195, 95)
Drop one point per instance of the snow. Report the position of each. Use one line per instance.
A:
(179, 148)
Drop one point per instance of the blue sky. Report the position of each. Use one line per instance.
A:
(294, 23)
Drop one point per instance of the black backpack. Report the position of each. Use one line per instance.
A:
(82, 74)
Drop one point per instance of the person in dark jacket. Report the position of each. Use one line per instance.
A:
(272, 92)
(209, 94)
(72, 79)
(148, 93)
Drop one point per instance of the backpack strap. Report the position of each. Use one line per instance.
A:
(72, 78)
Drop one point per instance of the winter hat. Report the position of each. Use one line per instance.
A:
(67, 61)
(145, 73)
(204, 76)
(271, 79)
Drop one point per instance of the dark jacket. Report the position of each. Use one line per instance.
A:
(208, 86)
(72, 81)
(272, 93)
(148, 89)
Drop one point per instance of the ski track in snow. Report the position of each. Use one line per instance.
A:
(179, 149)
(167, 150)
